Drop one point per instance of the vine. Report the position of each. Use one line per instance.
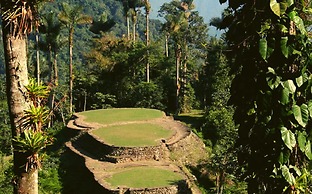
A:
(272, 92)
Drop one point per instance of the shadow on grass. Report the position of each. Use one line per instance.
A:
(76, 177)
(194, 120)
(73, 174)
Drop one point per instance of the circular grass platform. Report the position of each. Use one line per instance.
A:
(109, 116)
(133, 135)
(144, 177)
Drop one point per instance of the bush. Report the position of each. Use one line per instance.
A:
(6, 174)
(147, 95)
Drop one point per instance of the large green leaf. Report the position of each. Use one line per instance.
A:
(301, 114)
(302, 139)
(275, 7)
(307, 150)
(304, 114)
(285, 96)
(283, 157)
(263, 48)
(289, 177)
(284, 47)
(310, 107)
(289, 84)
(288, 138)
(299, 81)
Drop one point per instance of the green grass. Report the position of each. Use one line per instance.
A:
(108, 116)
(145, 177)
(194, 119)
(138, 134)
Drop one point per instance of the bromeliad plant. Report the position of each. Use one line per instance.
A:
(272, 92)
(31, 143)
(33, 139)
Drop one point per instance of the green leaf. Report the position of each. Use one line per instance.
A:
(304, 114)
(271, 47)
(283, 29)
(307, 150)
(263, 48)
(284, 47)
(283, 7)
(289, 84)
(284, 157)
(310, 107)
(285, 96)
(290, 2)
(289, 177)
(302, 138)
(275, 7)
(299, 81)
(301, 114)
(298, 22)
(297, 170)
(288, 138)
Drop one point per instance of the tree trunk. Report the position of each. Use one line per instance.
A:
(51, 95)
(16, 79)
(37, 54)
(71, 78)
(55, 69)
(184, 103)
(178, 61)
(147, 52)
(166, 45)
(128, 27)
(134, 31)
(85, 101)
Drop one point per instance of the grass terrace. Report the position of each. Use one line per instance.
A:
(145, 177)
(109, 116)
(131, 135)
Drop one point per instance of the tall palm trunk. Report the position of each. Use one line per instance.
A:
(128, 27)
(166, 45)
(37, 53)
(51, 96)
(71, 78)
(178, 86)
(17, 79)
(134, 30)
(147, 45)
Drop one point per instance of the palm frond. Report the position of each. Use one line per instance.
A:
(19, 15)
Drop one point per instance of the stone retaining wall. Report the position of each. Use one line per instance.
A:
(102, 151)
(180, 188)
(127, 154)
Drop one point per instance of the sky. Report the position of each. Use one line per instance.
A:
(206, 8)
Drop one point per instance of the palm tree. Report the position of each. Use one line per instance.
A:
(70, 17)
(17, 20)
(51, 28)
(125, 4)
(147, 7)
(176, 22)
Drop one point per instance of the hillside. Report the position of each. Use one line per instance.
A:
(82, 36)
(161, 166)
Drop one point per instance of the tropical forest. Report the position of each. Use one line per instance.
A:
(102, 97)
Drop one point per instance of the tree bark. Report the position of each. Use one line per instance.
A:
(178, 86)
(37, 55)
(147, 52)
(71, 78)
(128, 27)
(166, 46)
(16, 79)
